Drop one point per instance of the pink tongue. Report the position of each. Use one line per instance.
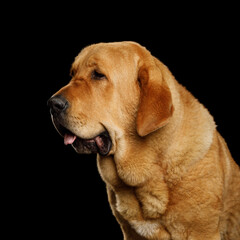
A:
(69, 138)
(99, 141)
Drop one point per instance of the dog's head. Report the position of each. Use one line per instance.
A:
(116, 89)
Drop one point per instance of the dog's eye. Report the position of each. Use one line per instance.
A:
(97, 75)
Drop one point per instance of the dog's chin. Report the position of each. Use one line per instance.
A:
(101, 143)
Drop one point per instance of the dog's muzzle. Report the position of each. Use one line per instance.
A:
(100, 144)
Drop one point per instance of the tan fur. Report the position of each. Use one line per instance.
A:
(169, 174)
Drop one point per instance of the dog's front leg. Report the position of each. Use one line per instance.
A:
(154, 198)
(130, 209)
(126, 202)
(127, 206)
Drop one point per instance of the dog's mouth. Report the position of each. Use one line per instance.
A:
(99, 144)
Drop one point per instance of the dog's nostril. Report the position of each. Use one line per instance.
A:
(57, 104)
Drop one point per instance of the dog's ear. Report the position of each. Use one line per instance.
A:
(155, 108)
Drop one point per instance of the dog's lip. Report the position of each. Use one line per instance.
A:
(101, 143)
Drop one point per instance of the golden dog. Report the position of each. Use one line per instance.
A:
(169, 173)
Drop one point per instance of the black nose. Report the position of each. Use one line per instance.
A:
(57, 104)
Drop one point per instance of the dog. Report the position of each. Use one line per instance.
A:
(169, 173)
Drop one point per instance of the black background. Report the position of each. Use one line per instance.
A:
(54, 191)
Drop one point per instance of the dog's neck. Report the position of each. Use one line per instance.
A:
(180, 149)
(169, 146)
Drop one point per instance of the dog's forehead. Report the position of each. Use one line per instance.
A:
(109, 53)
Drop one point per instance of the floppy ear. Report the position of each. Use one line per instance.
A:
(155, 107)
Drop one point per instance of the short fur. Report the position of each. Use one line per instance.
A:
(169, 174)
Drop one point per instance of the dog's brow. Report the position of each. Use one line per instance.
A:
(91, 63)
